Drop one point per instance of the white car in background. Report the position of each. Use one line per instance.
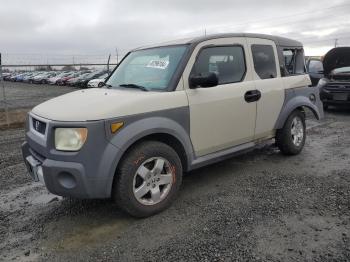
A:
(98, 82)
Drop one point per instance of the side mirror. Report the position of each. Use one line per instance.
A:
(203, 80)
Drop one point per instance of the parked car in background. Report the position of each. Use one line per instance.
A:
(18, 77)
(23, 77)
(5, 75)
(63, 81)
(53, 80)
(14, 76)
(30, 78)
(98, 82)
(83, 82)
(43, 77)
(75, 80)
(335, 86)
(314, 67)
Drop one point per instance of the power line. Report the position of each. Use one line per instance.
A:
(284, 17)
(326, 40)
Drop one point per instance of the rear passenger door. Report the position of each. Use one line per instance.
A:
(267, 80)
(220, 117)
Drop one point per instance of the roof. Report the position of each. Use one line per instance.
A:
(281, 41)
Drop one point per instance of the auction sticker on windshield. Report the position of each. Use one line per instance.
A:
(160, 64)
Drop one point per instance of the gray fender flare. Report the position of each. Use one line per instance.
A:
(298, 98)
(135, 131)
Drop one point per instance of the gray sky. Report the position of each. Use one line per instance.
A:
(66, 27)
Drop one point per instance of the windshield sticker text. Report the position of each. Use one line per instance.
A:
(160, 64)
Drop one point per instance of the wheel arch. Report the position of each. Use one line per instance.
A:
(299, 102)
(163, 130)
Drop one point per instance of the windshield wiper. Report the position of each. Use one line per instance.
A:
(134, 86)
(108, 86)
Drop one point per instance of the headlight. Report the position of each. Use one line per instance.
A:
(322, 82)
(70, 139)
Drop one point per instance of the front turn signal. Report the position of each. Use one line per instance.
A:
(116, 126)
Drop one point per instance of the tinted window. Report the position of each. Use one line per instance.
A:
(264, 61)
(294, 61)
(226, 61)
(315, 66)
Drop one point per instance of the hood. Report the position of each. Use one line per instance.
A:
(100, 103)
(336, 58)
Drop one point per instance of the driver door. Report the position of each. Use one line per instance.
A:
(221, 117)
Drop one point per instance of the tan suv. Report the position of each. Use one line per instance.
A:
(167, 109)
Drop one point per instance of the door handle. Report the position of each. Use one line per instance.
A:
(252, 96)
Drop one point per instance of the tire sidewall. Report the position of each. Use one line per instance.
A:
(130, 165)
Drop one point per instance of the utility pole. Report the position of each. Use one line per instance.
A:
(205, 32)
(335, 42)
(116, 51)
(109, 58)
(4, 94)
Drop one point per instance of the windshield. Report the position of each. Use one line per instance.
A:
(149, 68)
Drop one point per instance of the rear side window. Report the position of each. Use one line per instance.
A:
(227, 62)
(264, 61)
(294, 63)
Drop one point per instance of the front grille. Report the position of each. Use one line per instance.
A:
(39, 126)
(345, 77)
(338, 87)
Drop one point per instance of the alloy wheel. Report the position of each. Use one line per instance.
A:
(153, 181)
(297, 131)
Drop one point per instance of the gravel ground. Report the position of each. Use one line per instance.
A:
(261, 206)
(23, 95)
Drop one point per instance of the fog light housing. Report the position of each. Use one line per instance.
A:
(312, 98)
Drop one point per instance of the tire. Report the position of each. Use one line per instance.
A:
(292, 142)
(140, 162)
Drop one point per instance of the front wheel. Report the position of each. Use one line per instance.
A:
(291, 138)
(148, 179)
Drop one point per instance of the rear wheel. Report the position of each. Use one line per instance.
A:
(148, 179)
(291, 138)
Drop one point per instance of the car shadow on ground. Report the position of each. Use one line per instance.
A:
(191, 180)
(81, 222)
(343, 110)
